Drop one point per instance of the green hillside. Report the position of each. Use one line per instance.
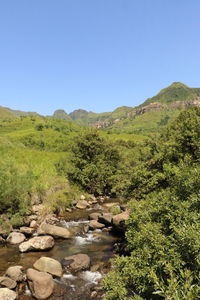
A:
(177, 91)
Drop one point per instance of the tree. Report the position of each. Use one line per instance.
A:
(94, 162)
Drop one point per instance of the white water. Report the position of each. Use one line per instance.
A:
(91, 277)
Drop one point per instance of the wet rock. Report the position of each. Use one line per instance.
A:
(37, 243)
(7, 282)
(15, 273)
(15, 238)
(94, 224)
(54, 230)
(27, 230)
(49, 265)
(82, 204)
(6, 294)
(105, 219)
(94, 216)
(41, 284)
(77, 262)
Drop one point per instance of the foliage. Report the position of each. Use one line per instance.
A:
(163, 235)
(94, 162)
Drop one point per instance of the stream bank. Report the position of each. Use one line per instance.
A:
(96, 243)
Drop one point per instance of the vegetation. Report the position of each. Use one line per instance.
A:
(151, 161)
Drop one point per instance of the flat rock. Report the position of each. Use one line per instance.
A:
(77, 262)
(15, 273)
(94, 224)
(49, 265)
(6, 294)
(7, 282)
(120, 218)
(37, 243)
(15, 238)
(41, 284)
(55, 231)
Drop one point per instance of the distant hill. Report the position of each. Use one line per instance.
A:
(9, 114)
(148, 117)
(61, 114)
(177, 91)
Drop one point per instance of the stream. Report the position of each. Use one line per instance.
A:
(97, 244)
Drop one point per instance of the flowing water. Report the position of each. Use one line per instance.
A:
(97, 244)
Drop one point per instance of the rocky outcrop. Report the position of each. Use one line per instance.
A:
(15, 238)
(37, 243)
(41, 284)
(6, 294)
(15, 273)
(55, 231)
(49, 265)
(76, 262)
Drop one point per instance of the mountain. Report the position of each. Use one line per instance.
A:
(177, 91)
(61, 114)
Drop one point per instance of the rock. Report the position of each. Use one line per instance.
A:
(7, 282)
(109, 205)
(2, 241)
(77, 262)
(82, 197)
(41, 284)
(37, 209)
(94, 224)
(15, 238)
(27, 230)
(94, 216)
(33, 224)
(54, 230)
(37, 243)
(82, 204)
(49, 265)
(15, 273)
(120, 218)
(6, 294)
(105, 219)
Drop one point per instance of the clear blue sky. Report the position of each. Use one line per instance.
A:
(95, 54)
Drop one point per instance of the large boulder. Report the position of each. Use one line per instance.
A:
(77, 262)
(15, 273)
(15, 238)
(55, 231)
(37, 243)
(49, 265)
(82, 204)
(94, 224)
(6, 294)
(105, 219)
(7, 282)
(41, 284)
